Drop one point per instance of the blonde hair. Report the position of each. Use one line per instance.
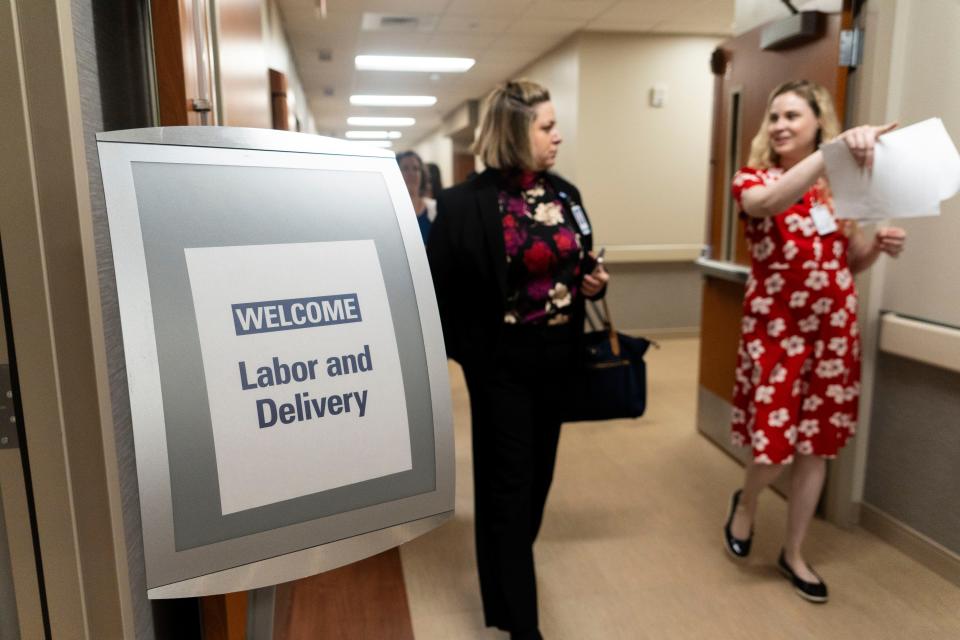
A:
(506, 116)
(761, 155)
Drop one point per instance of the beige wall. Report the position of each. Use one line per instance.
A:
(906, 448)
(559, 71)
(644, 170)
(923, 84)
(436, 148)
(279, 57)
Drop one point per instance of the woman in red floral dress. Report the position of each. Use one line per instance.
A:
(798, 373)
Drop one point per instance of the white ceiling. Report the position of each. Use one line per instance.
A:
(503, 35)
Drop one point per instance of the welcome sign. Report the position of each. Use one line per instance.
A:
(282, 354)
(310, 382)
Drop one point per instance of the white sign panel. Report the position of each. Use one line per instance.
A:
(301, 366)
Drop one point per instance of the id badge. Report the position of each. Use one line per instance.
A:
(823, 220)
(581, 219)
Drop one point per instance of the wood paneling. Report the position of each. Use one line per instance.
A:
(225, 616)
(278, 100)
(176, 57)
(244, 80)
(463, 165)
(719, 335)
(168, 58)
(366, 599)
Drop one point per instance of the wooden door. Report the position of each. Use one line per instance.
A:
(744, 75)
(183, 60)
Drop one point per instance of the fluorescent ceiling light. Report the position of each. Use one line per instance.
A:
(413, 63)
(373, 135)
(367, 121)
(393, 101)
(386, 144)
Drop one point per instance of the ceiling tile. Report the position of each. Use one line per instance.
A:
(468, 24)
(568, 9)
(397, 7)
(462, 45)
(522, 42)
(487, 8)
(531, 25)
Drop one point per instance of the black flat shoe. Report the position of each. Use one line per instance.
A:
(735, 547)
(812, 591)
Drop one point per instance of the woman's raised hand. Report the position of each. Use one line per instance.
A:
(861, 141)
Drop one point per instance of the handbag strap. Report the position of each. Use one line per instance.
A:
(608, 322)
(603, 312)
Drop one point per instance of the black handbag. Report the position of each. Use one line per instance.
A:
(612, 382)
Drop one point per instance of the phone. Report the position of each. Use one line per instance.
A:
(590, 262)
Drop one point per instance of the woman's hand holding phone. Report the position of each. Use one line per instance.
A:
(595, 277)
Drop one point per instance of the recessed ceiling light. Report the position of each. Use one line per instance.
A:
(377, 121)
(373, 135)
(393, 101)
(413, 63)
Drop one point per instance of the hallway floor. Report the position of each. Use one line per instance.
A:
(631, 546)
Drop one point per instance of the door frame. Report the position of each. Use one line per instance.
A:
(47, 238)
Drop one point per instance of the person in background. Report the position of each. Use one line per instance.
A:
(798, 373)
(411, 166)
(510, 254)
(433, 185)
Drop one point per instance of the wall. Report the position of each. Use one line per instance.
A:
(643, 171)
(559, 71)
(907, 465)
(437, 148)
(249, 40)
(645, 168)
(279, 58)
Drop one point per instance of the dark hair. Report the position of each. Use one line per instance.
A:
(413, 154)
(433, 179)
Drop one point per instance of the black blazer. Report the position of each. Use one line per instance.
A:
(468, 260)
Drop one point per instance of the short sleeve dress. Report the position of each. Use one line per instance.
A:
(798, 365)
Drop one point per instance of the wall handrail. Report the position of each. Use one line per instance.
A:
(922, 340)
(723, 269)
(632, 253)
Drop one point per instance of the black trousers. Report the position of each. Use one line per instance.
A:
(515, 405)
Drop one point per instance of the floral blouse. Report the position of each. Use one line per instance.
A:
(544, 251)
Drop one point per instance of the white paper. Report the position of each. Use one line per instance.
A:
(914, 169)
(258, 463)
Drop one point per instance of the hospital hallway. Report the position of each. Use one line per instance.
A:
(631, 545)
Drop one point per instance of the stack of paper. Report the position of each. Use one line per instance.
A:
(914, 170)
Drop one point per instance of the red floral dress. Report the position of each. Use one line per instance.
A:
(798, 370)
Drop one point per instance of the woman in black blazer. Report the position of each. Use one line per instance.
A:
(510, 253)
